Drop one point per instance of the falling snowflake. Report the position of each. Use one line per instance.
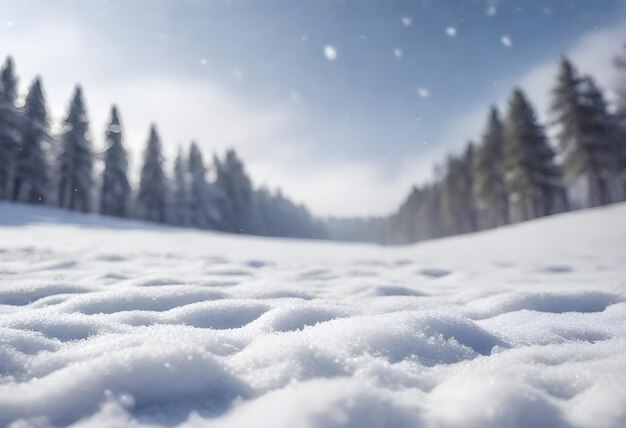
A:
(238, 74)
(304, 38)
(10, 23)
(506, 41)
(203, 61)
(491, 10)
(423, 92)
(398, 52)
(451, 31)
(330, 53)
(406, 20)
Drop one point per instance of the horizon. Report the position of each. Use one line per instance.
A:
(313, 129)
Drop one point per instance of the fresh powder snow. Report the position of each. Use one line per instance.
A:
(109, 322)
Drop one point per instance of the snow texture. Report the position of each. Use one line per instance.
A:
(106, 322)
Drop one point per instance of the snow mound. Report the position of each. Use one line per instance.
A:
(127, 324)
(558, 302)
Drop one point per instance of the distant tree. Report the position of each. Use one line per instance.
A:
(620, 89)
(32, 175)
(404, 225)
(620, 143)
(152, 193)
(457, 203)
(489, 183)
(606, 126)
(429, 214)
(76, 158)
(587, 134)
(279, 216)
(470, 221)
(10, 123)
(420, 217)
(235, 188)
(180, 205)
(115, 191)
(203, 212)
(533, 179)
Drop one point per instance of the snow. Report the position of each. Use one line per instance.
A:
(106, 322)
(330, 53)
(506, 41)
(451, 31)
(423, 92)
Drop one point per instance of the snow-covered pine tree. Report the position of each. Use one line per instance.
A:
(489, 185)
(533, 180)
(32, 175)
(235, 187)
(115, 191)
(75, 161)
(179, 207)
(587, 134)
(152, 193)
(203, 213)
(10, 123)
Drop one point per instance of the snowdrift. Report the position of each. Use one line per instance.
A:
(106, 322)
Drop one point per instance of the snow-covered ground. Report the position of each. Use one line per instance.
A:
(113, 323)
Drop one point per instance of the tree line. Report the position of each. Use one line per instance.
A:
(37, 167)
(514, 174)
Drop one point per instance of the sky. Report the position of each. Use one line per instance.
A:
(343, 104)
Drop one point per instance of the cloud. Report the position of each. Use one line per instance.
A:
(187, 109)
(592, 54)
(348, 188)
(184, 108)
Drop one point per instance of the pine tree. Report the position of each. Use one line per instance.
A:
(235, 186)
(76, 158)
(10, 123)
(202, 211)
(404, 224)
(458, 211)
(534, 181)
(489, 184)
(32, 170)
(179, 209)
(620, 90)
(152, 194)
(586, 138)
(470, 221)
(115, 191)
(610, 151)
(620, 142)
(279, 216)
